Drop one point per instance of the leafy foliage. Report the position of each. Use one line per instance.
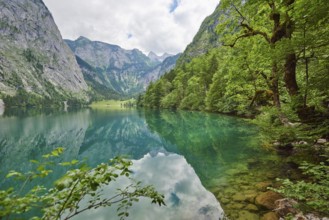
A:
(63, 201)
(314, 192)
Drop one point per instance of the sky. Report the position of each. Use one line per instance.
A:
(149, 25)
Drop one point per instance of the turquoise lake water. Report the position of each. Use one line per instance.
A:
(185, 155)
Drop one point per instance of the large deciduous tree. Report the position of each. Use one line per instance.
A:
(283, 25)
(271, 20)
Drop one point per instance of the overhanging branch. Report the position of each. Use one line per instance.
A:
(249, 31)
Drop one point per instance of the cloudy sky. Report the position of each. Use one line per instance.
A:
(149, 25)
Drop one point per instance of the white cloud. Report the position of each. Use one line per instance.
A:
(149, 25)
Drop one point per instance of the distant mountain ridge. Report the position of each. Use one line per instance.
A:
(127, 72)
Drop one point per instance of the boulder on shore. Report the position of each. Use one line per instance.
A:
(285, 206)
(321, 141)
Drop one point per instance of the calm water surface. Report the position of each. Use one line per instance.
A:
(182, 154)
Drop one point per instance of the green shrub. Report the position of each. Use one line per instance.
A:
(313, 193)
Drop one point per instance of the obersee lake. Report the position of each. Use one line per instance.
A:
(188, 156)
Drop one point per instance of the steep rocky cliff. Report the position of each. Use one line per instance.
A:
(124, 71)
(205, 39)
(33, 56)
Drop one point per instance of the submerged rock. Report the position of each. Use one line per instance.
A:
(267, 199)
(224, 201)
(250, 195)
(270, 216)
(228, 192)
(239, 197)
(262, 186)
(235, 206)
(251, 207)
(245, 215)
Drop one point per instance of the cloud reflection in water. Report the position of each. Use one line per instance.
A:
(185, 197)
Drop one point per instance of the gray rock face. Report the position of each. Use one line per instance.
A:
(206, 38)
(33, 56)
(156, 58)
(127, 72)
(155, 74)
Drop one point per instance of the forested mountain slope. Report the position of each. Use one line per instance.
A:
(270, 55)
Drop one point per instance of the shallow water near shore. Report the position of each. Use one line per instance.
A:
(203, 163)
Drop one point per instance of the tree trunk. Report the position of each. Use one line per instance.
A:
(306, 69)
(275, 86)
(290, 74)
(307, 82)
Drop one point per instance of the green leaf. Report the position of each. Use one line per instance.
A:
(14, 174)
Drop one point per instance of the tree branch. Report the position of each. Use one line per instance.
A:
(249, 30)
(236, 9)
(236, 40)
(265, 77)
(106, 202)
(67, 199)
(248, 34)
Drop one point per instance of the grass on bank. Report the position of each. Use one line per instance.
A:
(113, 104)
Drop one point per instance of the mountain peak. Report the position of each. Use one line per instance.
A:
(151, 53)
(82, 38)
(154, 57)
